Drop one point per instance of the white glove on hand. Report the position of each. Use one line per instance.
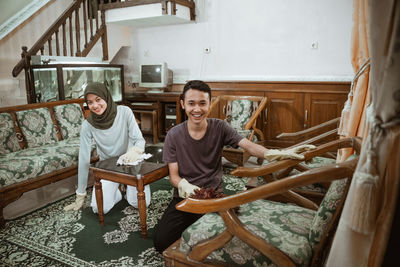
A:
(132, 154)
(291, 153)
(185, 188)
(80, 199)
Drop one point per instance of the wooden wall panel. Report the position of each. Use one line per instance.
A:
(323, 107)
(284, 113)
(292, 106)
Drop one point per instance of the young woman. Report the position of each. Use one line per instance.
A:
(193, 151)
(113, 129)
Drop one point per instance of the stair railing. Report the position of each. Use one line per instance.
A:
(128, 3)
(63, 38)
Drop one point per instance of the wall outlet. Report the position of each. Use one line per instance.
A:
(314, 45)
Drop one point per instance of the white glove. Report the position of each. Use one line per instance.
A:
(291, 153)
(132, 154)
(80, 199)
(185, 188)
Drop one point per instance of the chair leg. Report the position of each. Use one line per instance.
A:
(155, 127)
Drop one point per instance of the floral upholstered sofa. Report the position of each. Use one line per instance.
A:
(39, 145)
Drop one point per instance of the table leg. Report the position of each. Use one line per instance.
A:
(99, 200)
(142, 207)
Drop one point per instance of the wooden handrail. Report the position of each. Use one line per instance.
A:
(70, 21)
(128, 3)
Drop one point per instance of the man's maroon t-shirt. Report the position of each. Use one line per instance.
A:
(199, 161)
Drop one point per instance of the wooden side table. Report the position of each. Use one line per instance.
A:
(140, 175)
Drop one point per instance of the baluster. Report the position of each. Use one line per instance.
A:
(71, 37)
(28, 78)
(96, 15)
(49, 46)
(85, 23)
(77, 34)
(104, 36)
(173, 8)
(64, 36)
(57, 44)
(90, 20)
(42, 50)
(164, 7)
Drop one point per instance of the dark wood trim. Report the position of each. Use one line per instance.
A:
(284, 86)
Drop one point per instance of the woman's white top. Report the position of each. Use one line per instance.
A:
(114, 141)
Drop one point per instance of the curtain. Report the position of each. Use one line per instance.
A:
(365, 224)
(352, 122)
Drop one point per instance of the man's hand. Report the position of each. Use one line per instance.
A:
(185, 188)
(291, 153)
(132, 154)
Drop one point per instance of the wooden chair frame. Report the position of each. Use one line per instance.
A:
(240, 156)
(174, 257)
(316, 135)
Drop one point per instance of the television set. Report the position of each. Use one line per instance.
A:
(155, 76)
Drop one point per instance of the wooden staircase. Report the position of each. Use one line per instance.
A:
(78, 29)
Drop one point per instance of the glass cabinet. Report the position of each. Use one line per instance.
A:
(54, 82)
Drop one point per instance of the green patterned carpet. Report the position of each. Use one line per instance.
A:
(52, 237)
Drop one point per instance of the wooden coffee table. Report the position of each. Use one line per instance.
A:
(140, 175)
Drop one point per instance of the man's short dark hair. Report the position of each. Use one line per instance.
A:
(197, 85)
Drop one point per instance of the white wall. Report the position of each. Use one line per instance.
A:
(253, 40)
(9, 8)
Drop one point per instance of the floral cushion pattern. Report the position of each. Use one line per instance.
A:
(326, 210)
(282, 225)
(37, 127)
(69, 117)
(29, 163)
(8, 138)
(241, 113)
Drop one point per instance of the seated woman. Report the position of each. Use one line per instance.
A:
(113, 129)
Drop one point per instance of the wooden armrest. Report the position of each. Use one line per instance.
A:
(329, 135)
(354, 142)
(310, 131)
(323, 174)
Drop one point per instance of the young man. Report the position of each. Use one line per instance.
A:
(193, 151)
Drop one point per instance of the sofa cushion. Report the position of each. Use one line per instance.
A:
(326, 210)
(8, 137)
(69, 117)
(32, 162)
(37, 127)
(241, 113)
(282, 225)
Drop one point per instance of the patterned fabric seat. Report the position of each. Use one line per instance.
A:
(239, 113)
(8, 136)
(296, 231)
(29, 163)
